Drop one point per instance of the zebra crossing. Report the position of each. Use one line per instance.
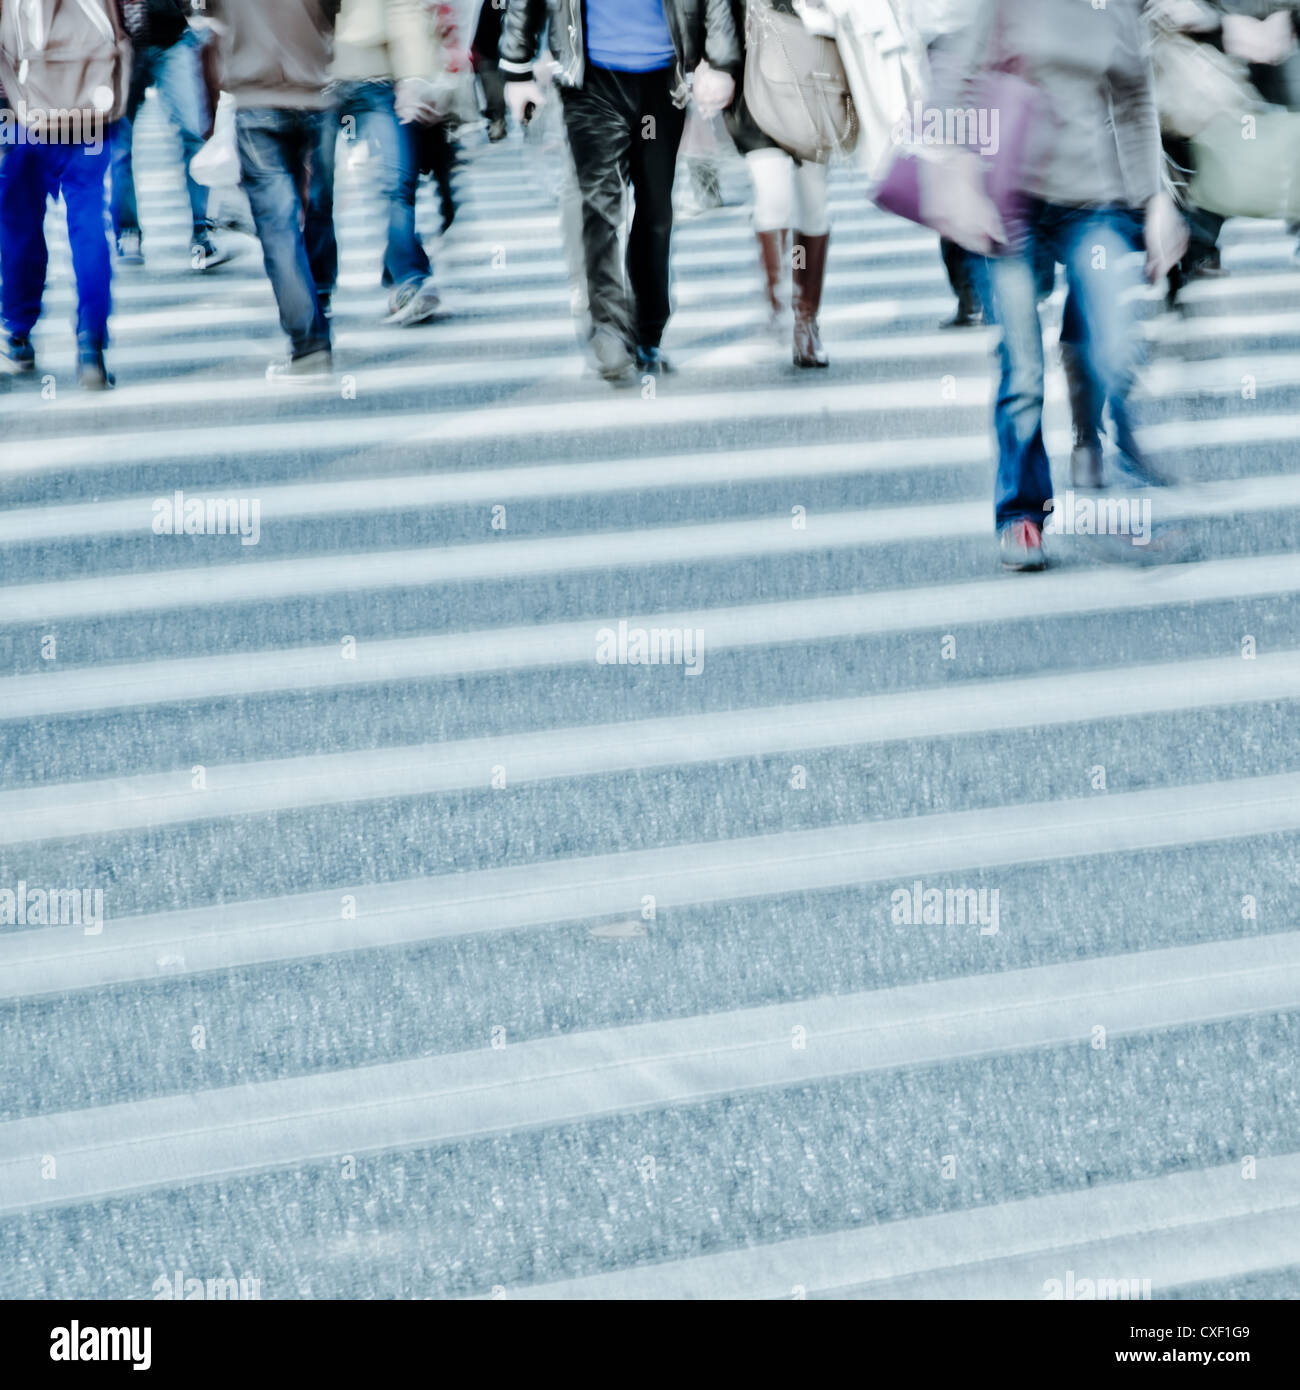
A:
(634, 844)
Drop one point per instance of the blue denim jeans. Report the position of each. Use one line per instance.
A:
(1095, 245)
(365, 112)
(177, 75)
(279, 160)
(29, 176)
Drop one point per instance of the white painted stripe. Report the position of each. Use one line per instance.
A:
(358, 496)
(448, 1099)
(200, 355)
(1180, 1229)
(120, 804)
(267, 581)
(601, 409)
(690, 323)
(694, 289)
(541, 646)
(54, 960)
(403, 492)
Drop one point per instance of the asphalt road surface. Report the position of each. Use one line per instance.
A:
(909, 930)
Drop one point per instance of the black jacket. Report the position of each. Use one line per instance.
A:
(699, 28)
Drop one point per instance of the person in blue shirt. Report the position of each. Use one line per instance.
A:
(622, 75)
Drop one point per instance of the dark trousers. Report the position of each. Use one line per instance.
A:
(30, 175)
(494, 91)
(279, 160)
(623, 128)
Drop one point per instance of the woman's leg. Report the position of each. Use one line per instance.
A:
(771, 171)
(809, 264)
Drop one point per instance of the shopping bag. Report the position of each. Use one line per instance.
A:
(216, 165)
(1248, 166)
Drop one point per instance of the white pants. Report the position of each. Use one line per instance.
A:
(787, 194)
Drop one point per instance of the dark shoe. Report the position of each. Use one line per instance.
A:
(968, 315)
(613, 361)
(497, 130)
(1206, 266)
(415, 302)
(130, 248)
(771, 256)
(205, 253)
(17, 355)
(312, 368)
(92, 372)
(808, 279)
(651, 362)
(1021, 545)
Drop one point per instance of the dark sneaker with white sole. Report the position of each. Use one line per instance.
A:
(1021, 545)
(17, 355)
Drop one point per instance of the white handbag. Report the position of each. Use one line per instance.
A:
(886, 69)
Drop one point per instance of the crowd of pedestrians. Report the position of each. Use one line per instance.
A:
(1104, 171)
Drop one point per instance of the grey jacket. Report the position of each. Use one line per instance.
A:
(699, 28)
(1104, 144)
(276, 52)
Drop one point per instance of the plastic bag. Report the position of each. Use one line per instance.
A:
(217, 164)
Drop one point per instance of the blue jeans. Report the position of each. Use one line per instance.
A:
(368, 108)
(1095, 245)
(279, 160)
(178, 77)
(29, 176)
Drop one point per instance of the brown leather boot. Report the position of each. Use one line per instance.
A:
(808, 279)
(771, 255)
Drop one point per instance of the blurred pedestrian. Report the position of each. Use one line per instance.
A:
(789, 193)
(65, 95)
(275, 60)
(622, 68)
(1102, 170)
(380, 93)
(167, 58)
(486, 55)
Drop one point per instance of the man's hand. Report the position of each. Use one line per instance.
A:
(521, 95)
(415, 101)
(1166, 236)
(713, 90)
